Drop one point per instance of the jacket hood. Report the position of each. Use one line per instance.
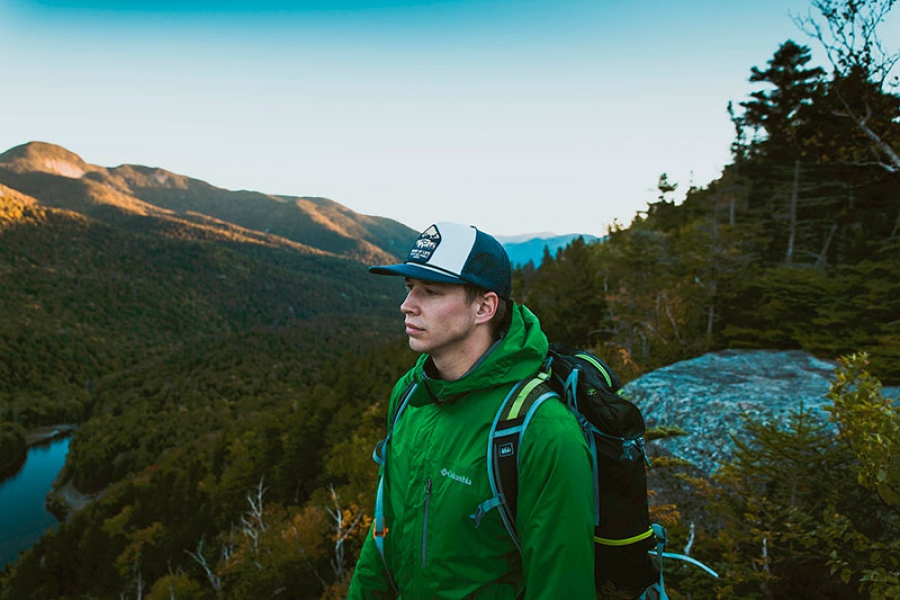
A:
(519, 354)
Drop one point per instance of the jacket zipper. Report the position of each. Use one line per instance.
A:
(425, 519)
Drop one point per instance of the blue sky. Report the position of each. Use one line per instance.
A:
(515, 116)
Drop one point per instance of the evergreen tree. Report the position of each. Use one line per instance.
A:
(779, 112)
(565, 294)
(771, 503)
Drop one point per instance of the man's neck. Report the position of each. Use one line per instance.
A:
(455, 363)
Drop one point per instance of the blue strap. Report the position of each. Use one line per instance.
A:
(379, 455)
(378, 528)
(572, 390)
(592, 443)
(497, 499)
(687, 559)
(587, 428)
(485, 507)
(662, 540)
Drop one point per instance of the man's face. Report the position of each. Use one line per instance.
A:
(439, 320)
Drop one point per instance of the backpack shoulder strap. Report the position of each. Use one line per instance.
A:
(379, 455)
(504, 441)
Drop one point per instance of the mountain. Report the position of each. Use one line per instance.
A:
(144, 199)
(104, 269)
(530, 247)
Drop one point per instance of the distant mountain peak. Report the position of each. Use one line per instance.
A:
(524, 237)
(46, 158)
(530, 247)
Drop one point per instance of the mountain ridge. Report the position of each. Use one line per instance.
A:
(526, 248)
(152, 199)
(141, 198)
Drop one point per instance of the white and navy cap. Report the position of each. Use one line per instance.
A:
(452, 253)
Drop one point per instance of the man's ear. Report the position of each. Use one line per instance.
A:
(487, 307)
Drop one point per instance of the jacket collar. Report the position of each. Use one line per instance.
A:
(519, 354)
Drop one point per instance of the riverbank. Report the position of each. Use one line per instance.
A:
(44, 434)
(24, 517)
(64, 500)
(67, 499)
(23, 439)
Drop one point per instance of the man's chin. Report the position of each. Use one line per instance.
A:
(417, 345)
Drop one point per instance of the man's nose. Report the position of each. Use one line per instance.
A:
(408, 306)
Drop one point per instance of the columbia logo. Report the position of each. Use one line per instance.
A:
(456, 477)
(506, 450)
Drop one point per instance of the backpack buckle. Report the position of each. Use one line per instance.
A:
(378, 529)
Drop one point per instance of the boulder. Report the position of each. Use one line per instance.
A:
(708, 396)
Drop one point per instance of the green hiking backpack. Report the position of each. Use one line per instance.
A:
(624, 538)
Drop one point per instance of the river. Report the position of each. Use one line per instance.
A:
(23, 518)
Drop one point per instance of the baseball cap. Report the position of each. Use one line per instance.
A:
(454, 253)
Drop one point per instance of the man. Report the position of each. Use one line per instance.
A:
(476, 344)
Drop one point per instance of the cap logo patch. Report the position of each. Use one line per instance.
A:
(425, 246)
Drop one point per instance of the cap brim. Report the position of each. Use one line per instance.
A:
(416, 272)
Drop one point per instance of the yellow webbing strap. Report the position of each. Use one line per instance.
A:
(624, 542)
(520, 399)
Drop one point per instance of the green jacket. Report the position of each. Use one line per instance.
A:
(437, 474)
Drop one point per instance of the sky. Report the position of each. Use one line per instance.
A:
(517, 116)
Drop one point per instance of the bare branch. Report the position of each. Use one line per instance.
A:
(214, 580)
(850, 37)
(854, 49)
(256, 506)
(342, 532)
(690, 541)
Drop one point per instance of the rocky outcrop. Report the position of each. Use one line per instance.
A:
(62, 501)
(708, 397)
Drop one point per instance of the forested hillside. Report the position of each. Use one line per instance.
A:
(230, 382)
(796, 246)
(216, 364)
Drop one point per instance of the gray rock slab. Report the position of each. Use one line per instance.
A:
(707, 397)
